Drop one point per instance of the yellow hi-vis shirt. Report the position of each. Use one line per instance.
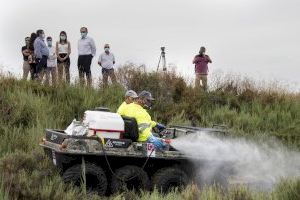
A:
(122, 108)
(143, 120)
(153, 124)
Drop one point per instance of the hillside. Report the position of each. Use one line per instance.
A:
(27, 108)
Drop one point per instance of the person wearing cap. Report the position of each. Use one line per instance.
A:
(107, 61)
(130, 95)
(137, 110)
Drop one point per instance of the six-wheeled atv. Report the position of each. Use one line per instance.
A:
(111, 160)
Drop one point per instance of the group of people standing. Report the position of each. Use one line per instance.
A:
(44, 59)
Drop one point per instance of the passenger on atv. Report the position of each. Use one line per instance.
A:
(137, 110)
(130, 96)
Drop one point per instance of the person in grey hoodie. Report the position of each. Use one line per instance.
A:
(41, 53)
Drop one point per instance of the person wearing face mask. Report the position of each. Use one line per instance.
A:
(137, 110)
(41, 53)
(26, 54)
(107, 61)
(86, 52)
(51, 63)
(201, 68)
(63, 51)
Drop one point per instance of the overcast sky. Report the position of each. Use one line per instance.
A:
(257, 38)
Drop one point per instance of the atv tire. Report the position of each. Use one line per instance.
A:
(169, 178)
(96, 181)
(129, 177)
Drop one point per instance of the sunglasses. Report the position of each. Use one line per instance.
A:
(82, 31)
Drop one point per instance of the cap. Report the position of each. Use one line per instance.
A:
(131, 93)
(147, 95)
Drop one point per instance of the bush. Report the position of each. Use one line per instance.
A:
(27, 108)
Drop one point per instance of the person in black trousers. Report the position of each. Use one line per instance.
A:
(86, 52)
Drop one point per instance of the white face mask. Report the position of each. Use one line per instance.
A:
(106, 49)
(43, 35)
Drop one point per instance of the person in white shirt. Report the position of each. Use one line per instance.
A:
(107, 61)
(86, 52)
(51, 63)
(63, 51)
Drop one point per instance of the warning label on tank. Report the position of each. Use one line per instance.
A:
(150, 150)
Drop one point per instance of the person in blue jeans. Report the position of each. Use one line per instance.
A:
(41, 53)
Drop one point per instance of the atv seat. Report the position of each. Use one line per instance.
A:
(131, 128)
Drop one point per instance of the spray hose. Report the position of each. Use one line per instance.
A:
(101, 141)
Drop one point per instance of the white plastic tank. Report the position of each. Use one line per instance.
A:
(104, 124)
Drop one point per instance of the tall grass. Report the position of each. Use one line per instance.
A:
(27, 108)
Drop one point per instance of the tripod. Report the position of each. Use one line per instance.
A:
(162, 58)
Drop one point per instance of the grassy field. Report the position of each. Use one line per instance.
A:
(27, 108)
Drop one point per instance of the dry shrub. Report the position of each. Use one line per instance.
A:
(191, 192)
(22, 174)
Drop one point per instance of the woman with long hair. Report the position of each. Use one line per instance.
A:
(63, 51)
(31, 57)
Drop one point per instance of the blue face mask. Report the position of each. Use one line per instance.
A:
(49, 43)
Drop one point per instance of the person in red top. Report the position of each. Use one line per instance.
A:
(201, 68)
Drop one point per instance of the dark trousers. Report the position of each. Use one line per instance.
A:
(84, 68)
(41, 66)
(33, 71)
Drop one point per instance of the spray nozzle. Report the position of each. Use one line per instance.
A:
(168, 141)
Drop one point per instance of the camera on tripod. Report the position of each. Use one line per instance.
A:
(162, 59)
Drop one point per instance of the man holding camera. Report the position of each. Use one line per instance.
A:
(201, 68)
